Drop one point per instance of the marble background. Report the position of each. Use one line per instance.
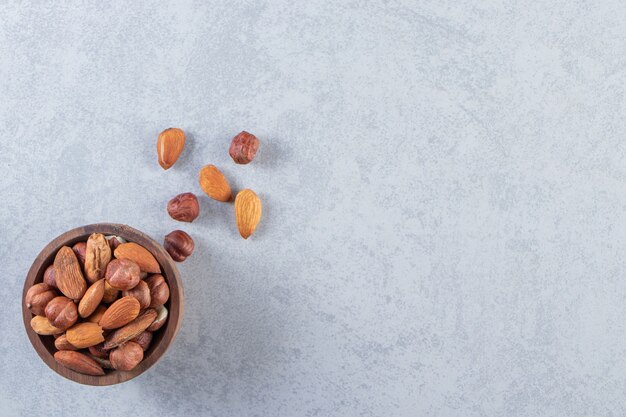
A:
(443, 187)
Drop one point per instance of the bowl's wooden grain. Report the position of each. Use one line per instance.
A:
(44, 345)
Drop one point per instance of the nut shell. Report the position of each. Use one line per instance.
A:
(97, 257)
(159, 290)
(141, 292)
(37, 298)
(170, 144)
(68, 274)
(61, 312)
(78, 362)
(126, 357)
(214, 183)
(243, 148)
(184, 207)
(179, 245)
(123, 274)
(120, 313)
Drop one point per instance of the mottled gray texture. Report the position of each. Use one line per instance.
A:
(444, 188)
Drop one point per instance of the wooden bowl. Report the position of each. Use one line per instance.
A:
(44, 345)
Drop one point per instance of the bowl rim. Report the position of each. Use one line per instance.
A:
(169, 271)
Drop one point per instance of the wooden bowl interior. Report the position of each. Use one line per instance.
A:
(44, 345)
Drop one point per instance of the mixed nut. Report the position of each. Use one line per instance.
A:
(102, 301)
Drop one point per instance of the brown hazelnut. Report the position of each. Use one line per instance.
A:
(98, 351)
(144, 340)
(159, 291)
(179, 245)
(243, 148)
(126, 357)
(80, 249)
(61, 312)
(122, 274)
(141, 292)
(184, 207)
(115, 241)
(160, 320)
(37, 298)
(48, 277)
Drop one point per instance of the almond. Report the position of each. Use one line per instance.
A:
(169, 146)
(67, 273)
(247, 212)
(131, 330)
(140, 255)
(214, 183)
(97, 315)
(78, 362)
(121, 312)
(92, 299)
(61, 343)
(42, 326)
(83, 335)
(97, 257)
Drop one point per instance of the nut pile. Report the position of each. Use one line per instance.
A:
(101, 300)
(185, 207)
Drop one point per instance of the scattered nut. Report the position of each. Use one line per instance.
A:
(169, 146)
(184, 207)
(243, 148)
(179, 245)
(247, 212)
(214, 184)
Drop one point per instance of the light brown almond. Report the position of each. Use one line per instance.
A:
(247, 212)
(169, 146)
(92, 299)
(97, 257)
(68, 275)
(97, 315)
(78, 362)
(120, 313)
(61, 343)
(131, 330)
(140, 255)
(42, 326)
(83, 335)
(214, 183)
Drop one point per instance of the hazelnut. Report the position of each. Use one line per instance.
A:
(115, 241)
(179, 245)
(162, 314)
(61, 312)
(159, 291)
(37, 297)
(49, 278)
(243, 147)
(144, 340)
(98, 351)
(122, 274)
(80, 249)
(184, 207)
(126, 357)
(141, 292)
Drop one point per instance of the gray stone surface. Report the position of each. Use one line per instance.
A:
(443, 187)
